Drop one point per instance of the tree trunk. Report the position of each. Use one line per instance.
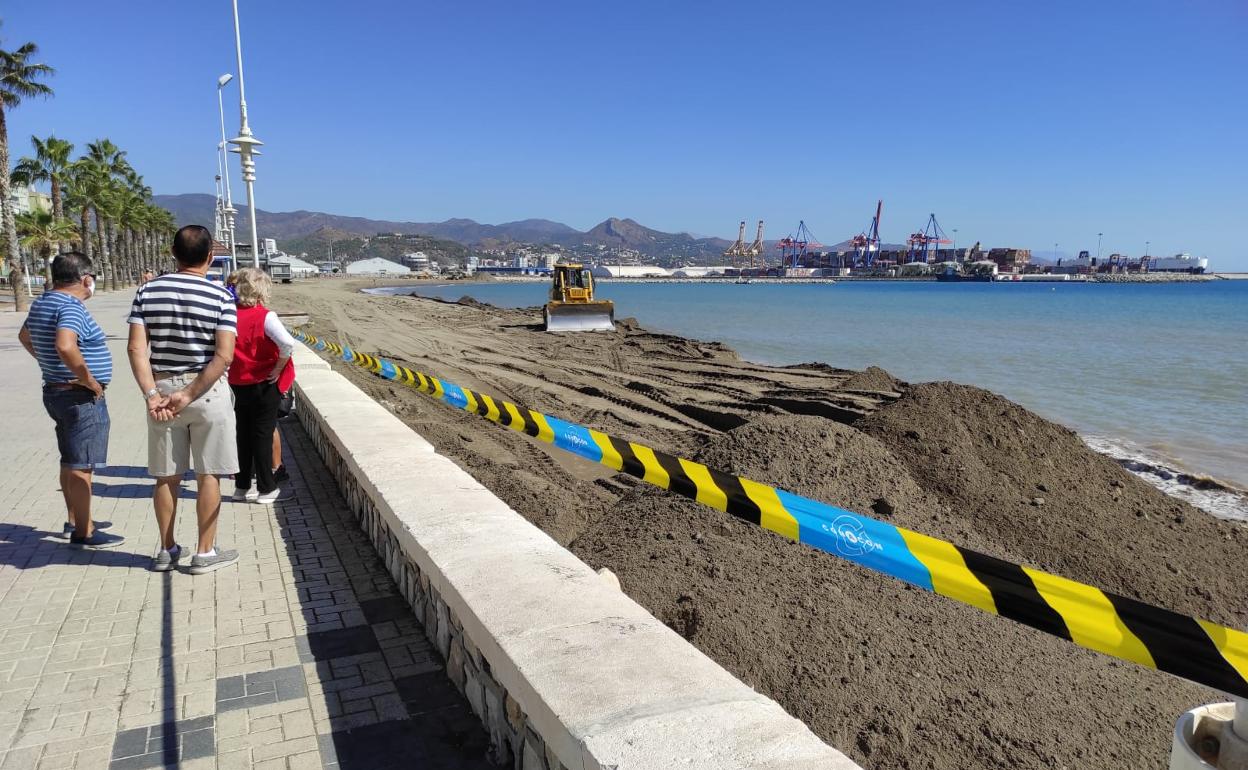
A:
(123, 259)
(101, 225)
(84, 230)
(132, 258)
(8, 226)
(58, 211)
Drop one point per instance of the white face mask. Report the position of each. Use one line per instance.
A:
(91, 289)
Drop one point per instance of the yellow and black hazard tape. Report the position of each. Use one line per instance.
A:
(1194, 649)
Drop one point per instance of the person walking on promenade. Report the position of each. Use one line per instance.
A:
(181, 343)
(261, 372)
(76, 365)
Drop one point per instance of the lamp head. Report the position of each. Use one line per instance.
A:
(221, 81)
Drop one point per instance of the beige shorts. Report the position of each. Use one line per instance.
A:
(201, 438)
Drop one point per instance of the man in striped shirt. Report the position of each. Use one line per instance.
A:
(182, 329)
(76, 365)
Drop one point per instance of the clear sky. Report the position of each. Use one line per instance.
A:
(1017, 123)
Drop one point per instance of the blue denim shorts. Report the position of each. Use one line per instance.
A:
(81, 427)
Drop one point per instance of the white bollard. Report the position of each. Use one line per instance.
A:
(1212, 737)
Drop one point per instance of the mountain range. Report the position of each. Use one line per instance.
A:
(198, 208)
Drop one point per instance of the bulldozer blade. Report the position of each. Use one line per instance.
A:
(589, 317)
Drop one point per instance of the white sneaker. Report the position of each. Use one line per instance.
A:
(246, 495)
(276, 496)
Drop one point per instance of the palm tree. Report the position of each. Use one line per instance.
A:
(77, 194)
(19, 79)
(164, 226)
(51, 163)
(133, 220)
(107, 165)
(41, 233)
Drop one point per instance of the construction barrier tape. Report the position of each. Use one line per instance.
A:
(1194, 649)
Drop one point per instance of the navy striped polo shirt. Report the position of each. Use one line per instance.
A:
(57, 310)
(183, 313)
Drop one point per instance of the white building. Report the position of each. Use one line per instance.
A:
(699, 272)
(23, 200)
(377, 266)
(270, 246)
(298, 267)
(629, 271)
(417, 260)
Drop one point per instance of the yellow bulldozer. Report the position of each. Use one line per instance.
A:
(572, 307)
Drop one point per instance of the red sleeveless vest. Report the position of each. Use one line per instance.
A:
(254, 353)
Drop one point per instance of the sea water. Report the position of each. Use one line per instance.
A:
(1154, 372)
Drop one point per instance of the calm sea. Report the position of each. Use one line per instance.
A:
(1160, 370)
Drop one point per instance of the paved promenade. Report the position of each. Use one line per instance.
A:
(301, 656)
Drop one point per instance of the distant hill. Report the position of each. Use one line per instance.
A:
(197, 208)
(348, 247)
(628, 234)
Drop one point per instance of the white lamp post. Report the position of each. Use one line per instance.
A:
(228, 211)
(246, 144)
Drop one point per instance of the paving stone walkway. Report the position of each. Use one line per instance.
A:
(302, 656)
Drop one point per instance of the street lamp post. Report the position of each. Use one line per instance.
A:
(246, 144)
(229, 211)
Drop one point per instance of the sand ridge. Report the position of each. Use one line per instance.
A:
(895, 676)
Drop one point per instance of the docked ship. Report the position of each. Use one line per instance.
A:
(1179, 263)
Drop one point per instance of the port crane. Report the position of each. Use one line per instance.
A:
(737, 249)
(921, 242)
(740, 251)
(756, 248)
(795, 248)
(866, 245)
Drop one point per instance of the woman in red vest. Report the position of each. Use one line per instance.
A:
(261, 372)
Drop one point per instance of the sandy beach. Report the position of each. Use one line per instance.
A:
(894, 676)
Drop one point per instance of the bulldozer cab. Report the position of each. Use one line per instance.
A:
(572, 306)
(572, 284)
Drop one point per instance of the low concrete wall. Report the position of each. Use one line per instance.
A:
(565, 671)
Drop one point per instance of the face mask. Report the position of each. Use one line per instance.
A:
(91, 289)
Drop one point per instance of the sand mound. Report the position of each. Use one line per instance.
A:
(873, 378)
(896, 676)
(820, 459)
(1026, 489)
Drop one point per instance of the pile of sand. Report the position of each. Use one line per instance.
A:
(895, 676)
(1023, 488)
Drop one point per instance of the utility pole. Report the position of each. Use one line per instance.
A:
(228, 210)
(246, 144)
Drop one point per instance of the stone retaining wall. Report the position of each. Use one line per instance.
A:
(565, 672)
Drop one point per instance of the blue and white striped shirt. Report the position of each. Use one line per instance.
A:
(183, 313)
(57, 310)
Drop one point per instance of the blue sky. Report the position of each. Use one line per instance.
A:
(1017, 124)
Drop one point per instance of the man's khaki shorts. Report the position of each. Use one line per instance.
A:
(201, 438)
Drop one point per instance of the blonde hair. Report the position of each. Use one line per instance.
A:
(254, 286)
